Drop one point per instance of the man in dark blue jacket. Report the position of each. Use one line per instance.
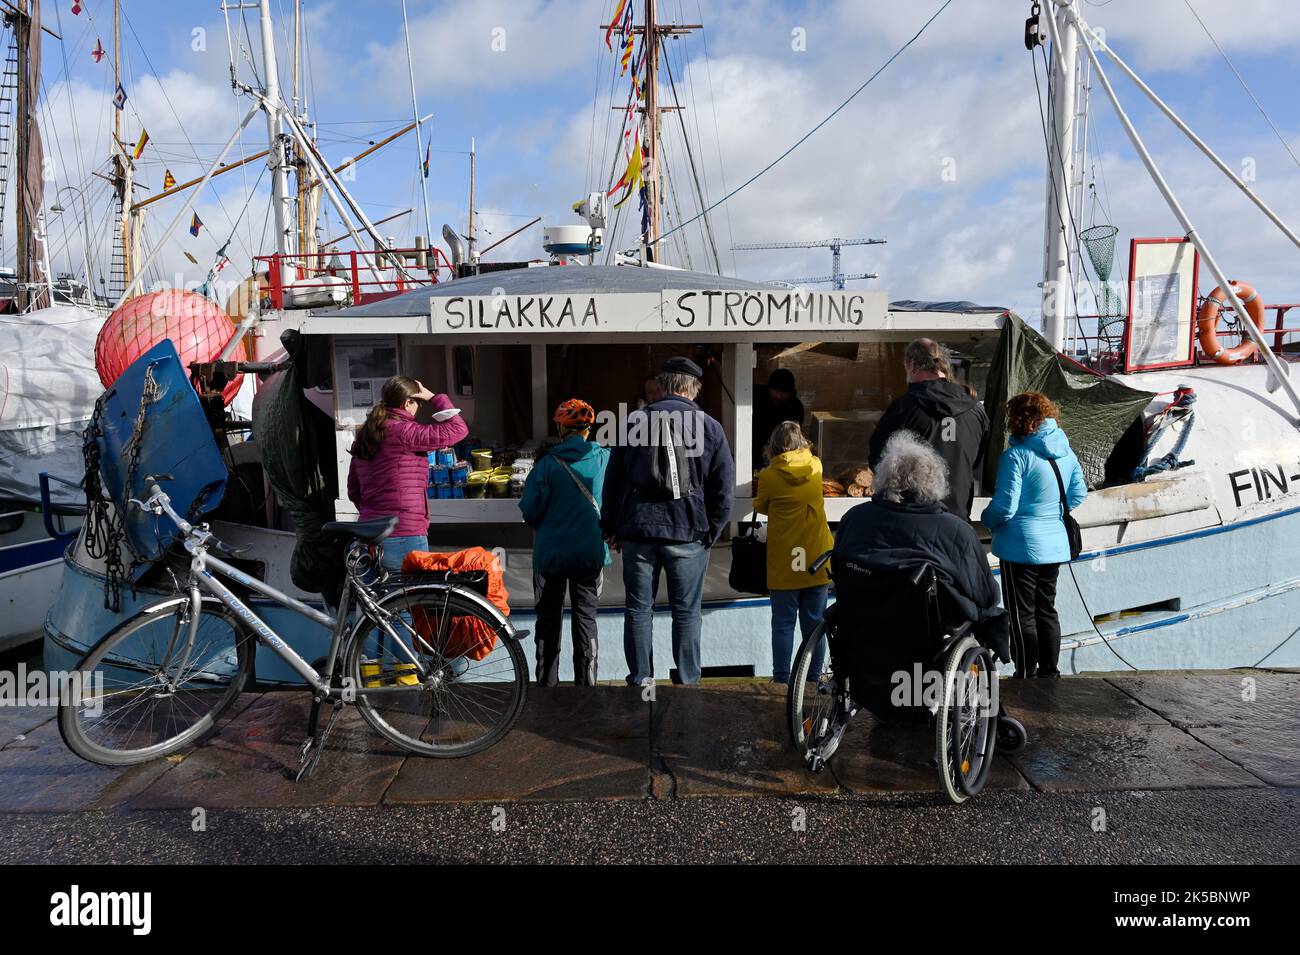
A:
(667, 497)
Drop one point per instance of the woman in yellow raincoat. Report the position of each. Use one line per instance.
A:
(790, 494)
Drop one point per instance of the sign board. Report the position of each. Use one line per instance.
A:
(1160, 330)
(689, 311)
(361, 366)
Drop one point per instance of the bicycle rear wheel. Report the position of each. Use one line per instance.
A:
(457, 679)
(143, 696)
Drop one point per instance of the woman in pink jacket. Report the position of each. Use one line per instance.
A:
(390, 465)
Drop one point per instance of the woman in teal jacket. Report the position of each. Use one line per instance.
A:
(1029, 537)
(562, 502)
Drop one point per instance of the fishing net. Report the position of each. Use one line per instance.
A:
(1099, 242)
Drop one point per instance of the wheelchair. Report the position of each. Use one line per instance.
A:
(889, 650)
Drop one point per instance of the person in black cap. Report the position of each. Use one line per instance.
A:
(772, 405)
(667, 498)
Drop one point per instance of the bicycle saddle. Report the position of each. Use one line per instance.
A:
(367, 532)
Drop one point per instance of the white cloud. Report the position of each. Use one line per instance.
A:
(489, 45)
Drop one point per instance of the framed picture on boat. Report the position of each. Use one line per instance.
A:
(1160, 324)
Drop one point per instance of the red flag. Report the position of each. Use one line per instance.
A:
(613, 22)
(98, 52)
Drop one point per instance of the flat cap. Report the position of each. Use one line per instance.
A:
(678, 365)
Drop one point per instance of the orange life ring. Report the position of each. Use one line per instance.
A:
(1207, 321)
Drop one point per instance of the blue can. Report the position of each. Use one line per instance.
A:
(459, 472)
(446, 457)
(443, 490)
(438, 475)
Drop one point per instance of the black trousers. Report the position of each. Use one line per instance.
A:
(548, 591)
(1029, 593)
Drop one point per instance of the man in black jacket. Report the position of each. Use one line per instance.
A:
(942, 414)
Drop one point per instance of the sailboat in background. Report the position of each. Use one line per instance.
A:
(47, 353)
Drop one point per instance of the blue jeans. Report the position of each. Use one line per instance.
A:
(808, 604)
(684, 566)
(396, 549)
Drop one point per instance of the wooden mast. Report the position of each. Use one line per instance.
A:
(22, 267)
(123, 166)
(651, 34)
(473, 252)
(651, 40)
(305, 183)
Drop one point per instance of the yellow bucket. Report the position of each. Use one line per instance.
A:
(403, 674)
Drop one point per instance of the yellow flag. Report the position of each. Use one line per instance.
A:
(632, 177)
(139, 146)
(168, 180)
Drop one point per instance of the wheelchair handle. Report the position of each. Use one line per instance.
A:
(819, 563)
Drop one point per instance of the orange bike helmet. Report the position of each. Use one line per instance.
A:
(574, 413)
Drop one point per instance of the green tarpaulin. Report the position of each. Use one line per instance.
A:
(1095, 411)
(297, 445)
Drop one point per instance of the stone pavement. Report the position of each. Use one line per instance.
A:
(1129, 732)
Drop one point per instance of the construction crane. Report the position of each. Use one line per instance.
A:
(839, 280)
(837, 277)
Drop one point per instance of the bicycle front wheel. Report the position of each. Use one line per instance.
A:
(455, 680)
(146, 691)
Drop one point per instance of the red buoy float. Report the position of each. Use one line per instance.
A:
(1207, 321)
(197, 326)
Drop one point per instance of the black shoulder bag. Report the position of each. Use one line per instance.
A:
(1071, 525)
(748, 560)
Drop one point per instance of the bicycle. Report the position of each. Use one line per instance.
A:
(433, 667)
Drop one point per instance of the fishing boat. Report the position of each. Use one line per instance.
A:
(1191, 529)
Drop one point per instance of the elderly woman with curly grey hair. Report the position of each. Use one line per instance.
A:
(906, 521)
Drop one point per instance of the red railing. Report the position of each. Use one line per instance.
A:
(1278, 329)
(369, 275)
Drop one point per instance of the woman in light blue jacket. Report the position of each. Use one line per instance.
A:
(1026, 518)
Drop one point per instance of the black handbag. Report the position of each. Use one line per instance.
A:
(1072, 530)
(748, 560)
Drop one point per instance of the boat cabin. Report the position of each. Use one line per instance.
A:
(507, 347)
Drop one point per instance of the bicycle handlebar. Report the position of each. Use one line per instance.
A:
(160, 503)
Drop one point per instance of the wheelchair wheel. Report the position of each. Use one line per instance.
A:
(808, 710)
(965, 723)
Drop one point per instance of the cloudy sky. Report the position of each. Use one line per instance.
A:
(943, 155)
